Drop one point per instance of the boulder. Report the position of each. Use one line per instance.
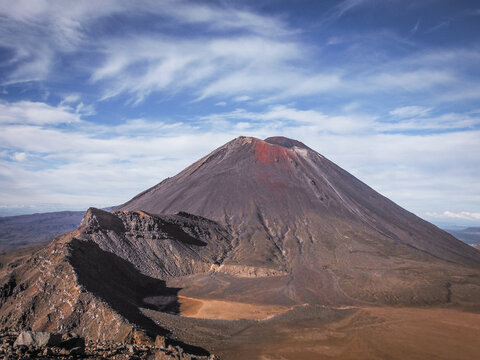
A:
(37, 339)
(160, 342)
(160, 355)
(140, 338)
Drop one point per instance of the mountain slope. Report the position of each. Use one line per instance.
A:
(291, 210)
(97, 280)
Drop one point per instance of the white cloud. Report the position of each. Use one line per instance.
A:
(464, 215)
(85, 110)
(235, 52)
(235, 66)
(439, 26)
(19, 156)
(412, 80)
(410, 111)
(83, 164)
(39, 32)
(415, 27)
(70, 99)
(448, 121)
(223, 17)
(241, 98)
(344, 7)
(37, 113)
(288, 117)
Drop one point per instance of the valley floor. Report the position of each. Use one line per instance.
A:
(315, 332)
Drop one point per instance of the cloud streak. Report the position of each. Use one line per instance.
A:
(38, 32)
(464, 215)
(36, 113)
(140, 66)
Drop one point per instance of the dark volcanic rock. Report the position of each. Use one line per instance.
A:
(93, 350)
(7, 288)
(160, 246)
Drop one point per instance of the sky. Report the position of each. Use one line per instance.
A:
(100, 100)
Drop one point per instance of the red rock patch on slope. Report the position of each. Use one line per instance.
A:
(266, 153)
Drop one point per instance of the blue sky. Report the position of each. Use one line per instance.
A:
(101, 99)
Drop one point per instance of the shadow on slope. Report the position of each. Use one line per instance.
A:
(125, 289)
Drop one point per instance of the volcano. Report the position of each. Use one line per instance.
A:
(252, 246)
(328, 237)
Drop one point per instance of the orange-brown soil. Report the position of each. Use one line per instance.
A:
(227, 310)
(370, 333)
(317, 332)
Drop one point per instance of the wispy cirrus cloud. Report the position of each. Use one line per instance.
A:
(140, 66)
(410, 111)
(36, 113)
(344, 7)
(37, 32)
(235, 51)
(288, 117)
(420, 122)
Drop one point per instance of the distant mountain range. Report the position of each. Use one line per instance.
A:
(470, 235)
(25, 230)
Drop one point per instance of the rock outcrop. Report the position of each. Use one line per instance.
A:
(96, 280)
(40, 345)
(37, 339)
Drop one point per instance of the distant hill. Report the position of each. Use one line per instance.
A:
(470, 235)
(25, 230)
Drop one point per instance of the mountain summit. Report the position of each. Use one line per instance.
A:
(291, 210)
